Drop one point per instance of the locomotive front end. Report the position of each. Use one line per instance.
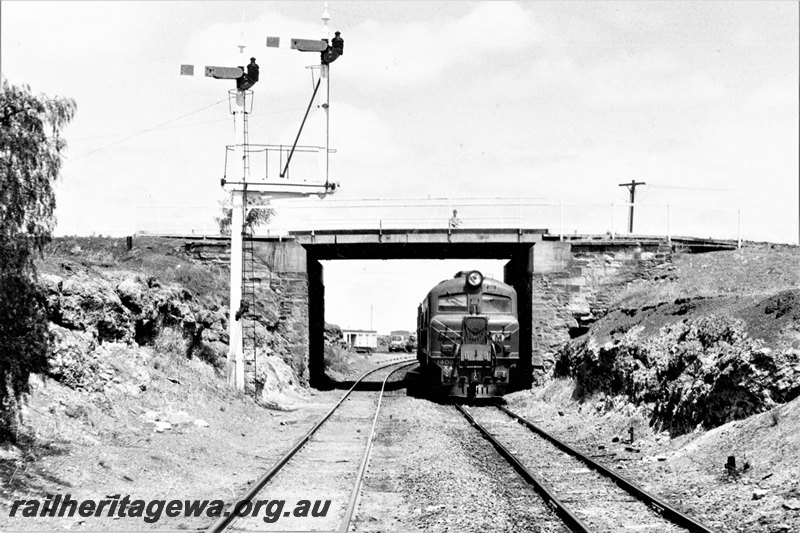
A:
(474, 337)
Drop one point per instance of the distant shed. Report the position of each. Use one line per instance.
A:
(362, 340)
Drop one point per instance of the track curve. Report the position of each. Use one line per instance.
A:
(343, 432)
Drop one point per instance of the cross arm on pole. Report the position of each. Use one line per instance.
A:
(632, 184)
(632, 190)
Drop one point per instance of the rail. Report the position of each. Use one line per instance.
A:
(351, 506)
(230, 516)
(575, 524)
(661, 505)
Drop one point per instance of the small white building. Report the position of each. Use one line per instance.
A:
(362, 340)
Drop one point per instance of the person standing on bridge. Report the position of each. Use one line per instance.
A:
(454, 222)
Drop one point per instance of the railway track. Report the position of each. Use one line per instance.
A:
(587, 496)
(326, 464)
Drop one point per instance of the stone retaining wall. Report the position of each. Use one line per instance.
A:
(281, 292)
(576, 283)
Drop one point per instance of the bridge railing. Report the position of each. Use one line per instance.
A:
(407, 214)
(559, 218)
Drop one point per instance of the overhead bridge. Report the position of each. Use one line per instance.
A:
(562, 281)
(417, 243)
(514, 245)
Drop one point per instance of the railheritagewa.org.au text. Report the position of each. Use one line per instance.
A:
(63, 505)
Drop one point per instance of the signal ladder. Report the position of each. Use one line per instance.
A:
(250, 314)
(249, 279)
(246, 142)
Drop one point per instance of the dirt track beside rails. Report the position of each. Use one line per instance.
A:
(688, 471)
(431, 471)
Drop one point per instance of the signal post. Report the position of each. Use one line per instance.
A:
(282, 187)
(239, 192)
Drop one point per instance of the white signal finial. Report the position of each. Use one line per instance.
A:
(326, 32)
(241, 44)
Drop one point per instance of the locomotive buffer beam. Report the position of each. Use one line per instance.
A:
(476, 355)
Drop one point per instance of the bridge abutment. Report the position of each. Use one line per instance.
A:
(574, 283)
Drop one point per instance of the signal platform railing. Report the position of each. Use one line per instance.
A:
(270, 162)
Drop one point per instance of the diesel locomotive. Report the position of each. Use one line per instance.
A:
(468, 336)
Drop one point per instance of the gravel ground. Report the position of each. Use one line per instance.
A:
(689, 470)
(101, 454)
(117, 452)
(324, 470)
(594, 498)
(431, 471)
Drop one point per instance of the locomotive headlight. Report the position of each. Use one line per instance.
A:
(475, 278)
(498, 337)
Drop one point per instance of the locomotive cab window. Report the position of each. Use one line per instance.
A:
(453, 303)
(495, 303)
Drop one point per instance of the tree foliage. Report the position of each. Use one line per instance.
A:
(30, 152)
(255, 217)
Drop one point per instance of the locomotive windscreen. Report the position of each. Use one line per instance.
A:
(495, 303)
(453, 303)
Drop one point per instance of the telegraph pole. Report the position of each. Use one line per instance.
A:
(632, 190)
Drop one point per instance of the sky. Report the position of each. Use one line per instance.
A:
(384, 295)
(556, 103)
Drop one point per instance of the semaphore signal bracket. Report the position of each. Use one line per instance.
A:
(242, 189)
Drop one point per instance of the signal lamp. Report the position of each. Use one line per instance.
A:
(474, 278)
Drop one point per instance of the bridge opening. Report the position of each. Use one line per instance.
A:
(366, 296)
(508, 258)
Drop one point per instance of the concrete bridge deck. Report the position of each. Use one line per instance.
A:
(414, 236)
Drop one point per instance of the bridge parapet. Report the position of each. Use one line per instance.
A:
(419, 236)
(565, 220)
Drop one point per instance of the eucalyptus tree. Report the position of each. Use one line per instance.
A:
(31, 150)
